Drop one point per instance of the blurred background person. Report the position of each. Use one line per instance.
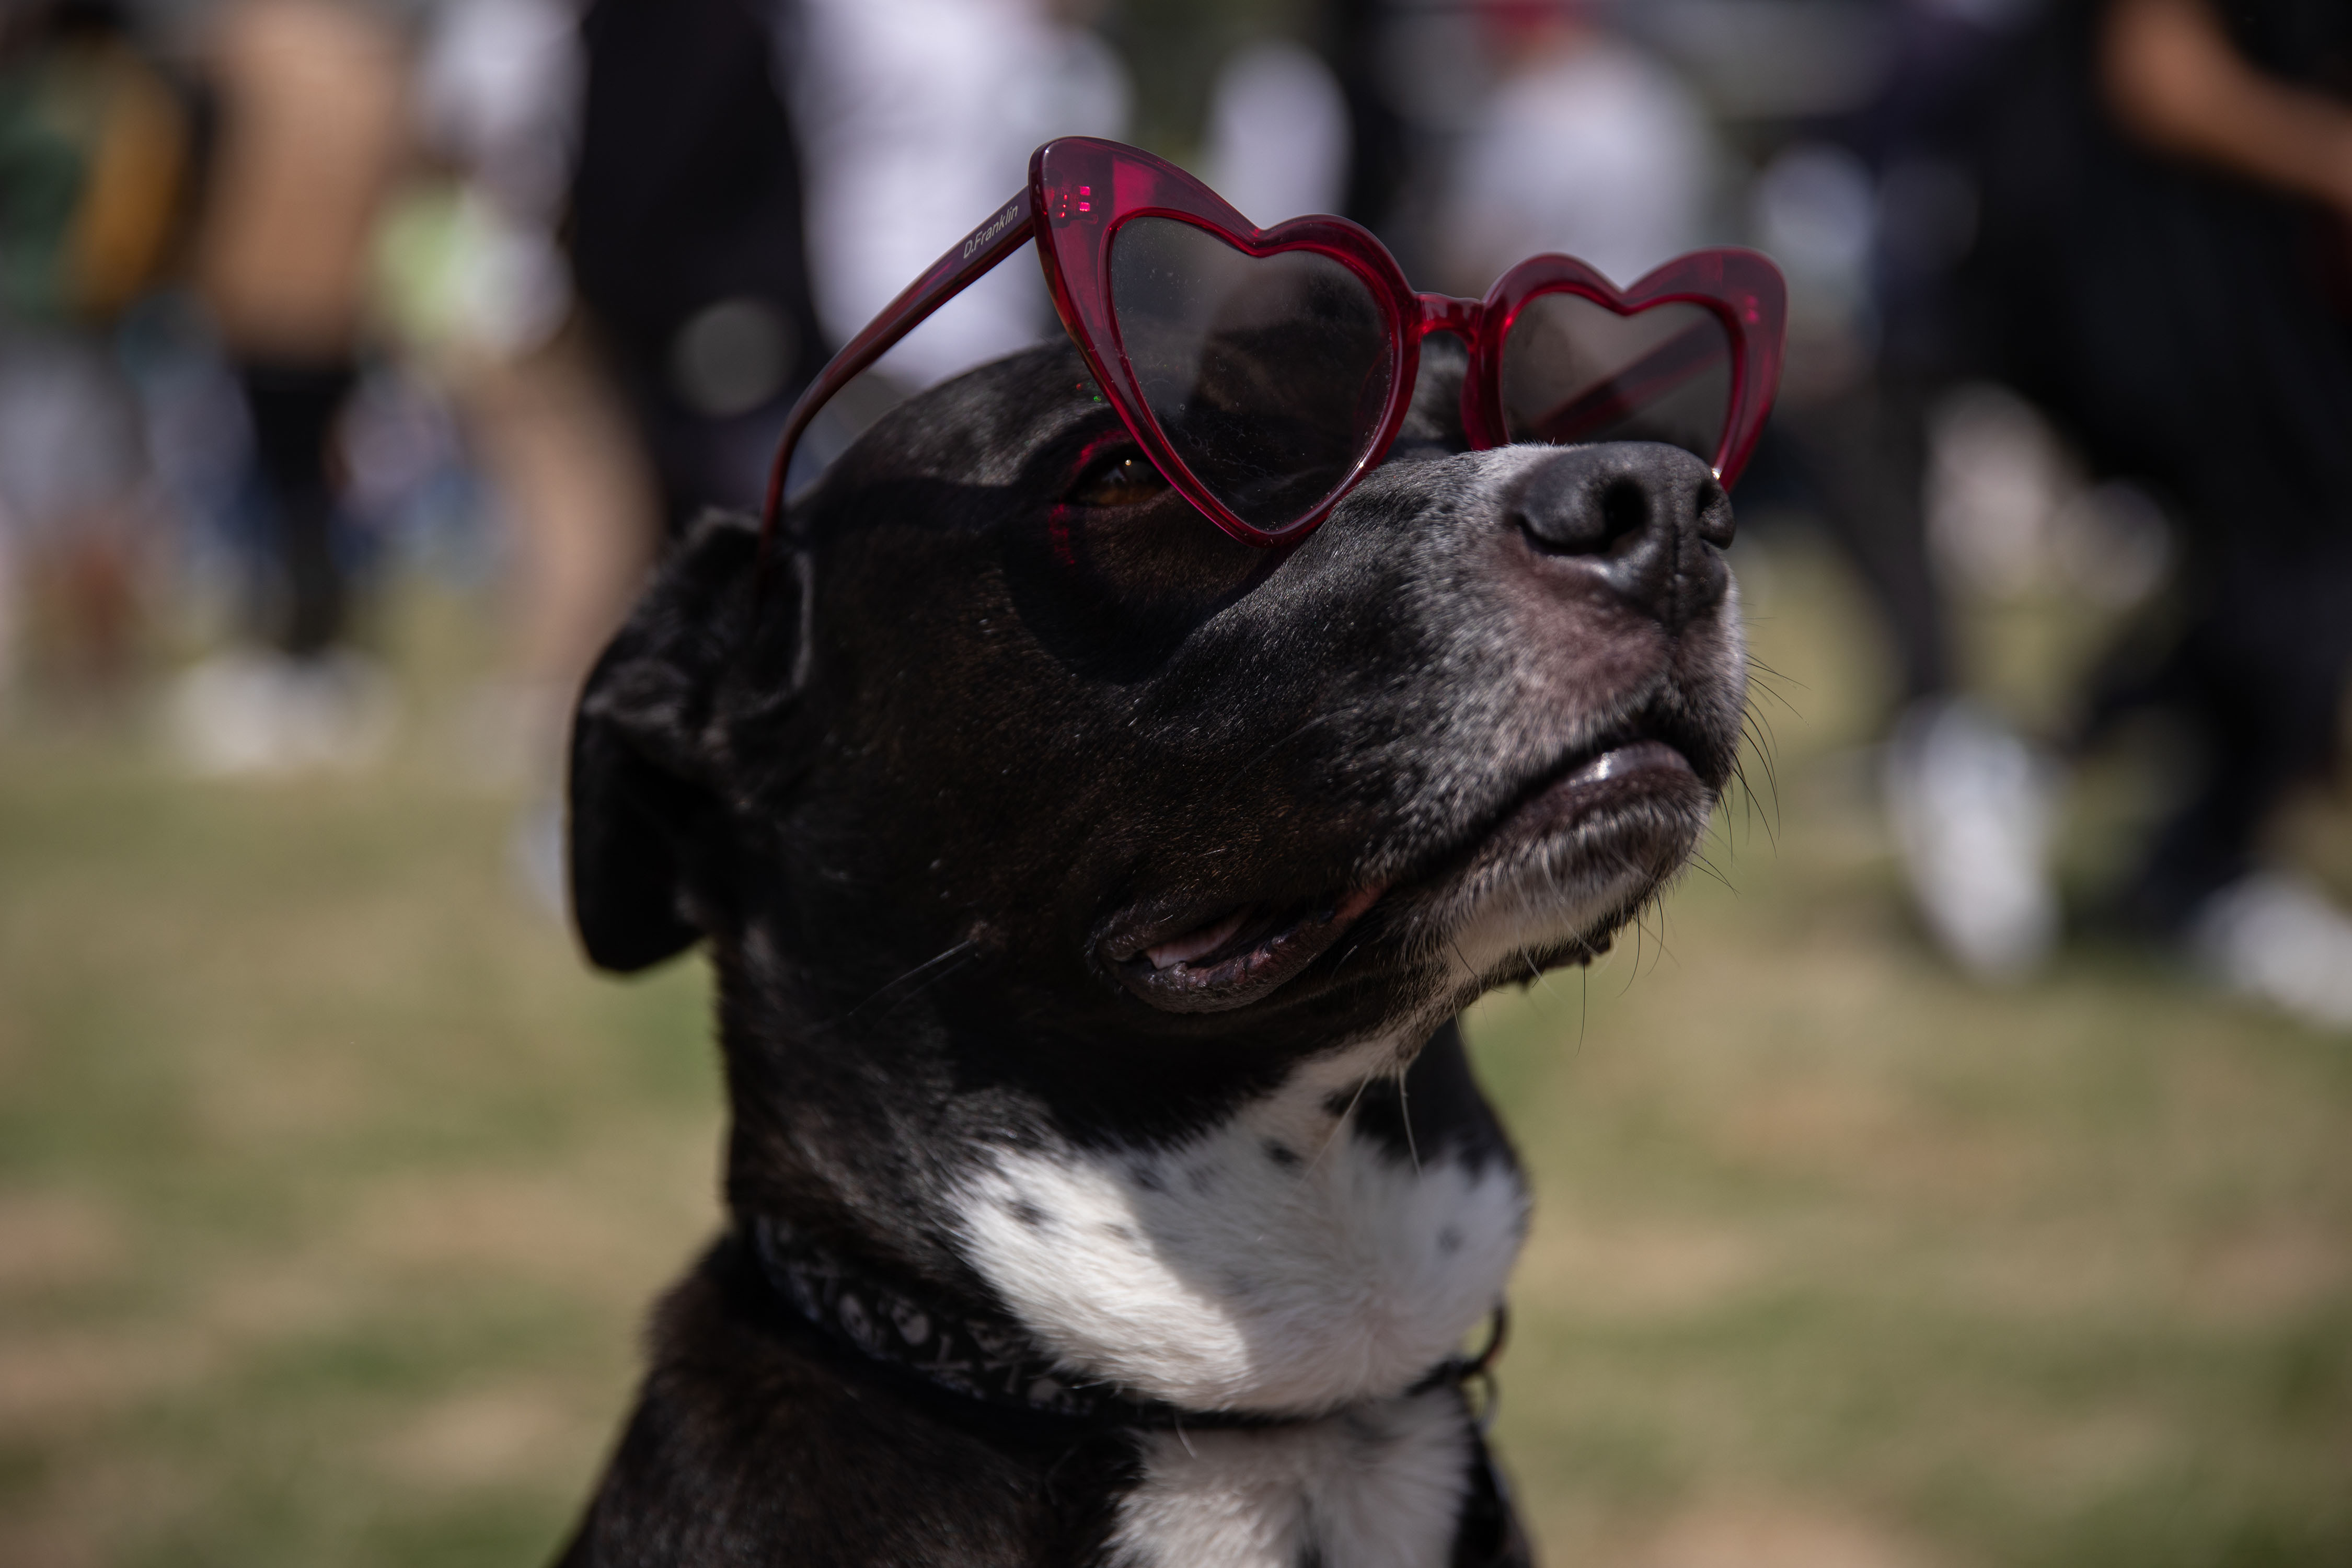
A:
(685, 230)
(477, 277)
(1410, 80)
(95, 149)
(2132, 213)
(726, 230)
(2168, 197)
(1584, 144)
(1276, 141)
(1869, 203)
(917, 116)
(1469, 136)
(724, 233)
(311, 97)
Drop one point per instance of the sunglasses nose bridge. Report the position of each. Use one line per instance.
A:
(1448, 313)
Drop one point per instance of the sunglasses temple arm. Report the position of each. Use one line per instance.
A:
(1006, 230)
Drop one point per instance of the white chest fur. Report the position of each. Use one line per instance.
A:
(1279, 1263)
(1379, 1487)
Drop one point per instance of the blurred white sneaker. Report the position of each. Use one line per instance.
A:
(1971, 806)
(2283, 941)
(249, 712)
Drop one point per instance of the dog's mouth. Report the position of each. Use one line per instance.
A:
(1234, 958)
(1186, 962)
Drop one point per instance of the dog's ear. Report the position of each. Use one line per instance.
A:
(651, 749)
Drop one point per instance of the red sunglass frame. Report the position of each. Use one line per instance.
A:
(1082, 191)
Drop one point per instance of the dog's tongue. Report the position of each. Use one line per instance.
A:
(1239, 956)
(1200, 943)
(1193, 944)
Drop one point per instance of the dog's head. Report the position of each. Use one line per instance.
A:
(1008, 730)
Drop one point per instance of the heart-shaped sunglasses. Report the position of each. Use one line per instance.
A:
(1265, 372)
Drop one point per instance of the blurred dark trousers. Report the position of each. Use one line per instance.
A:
(303, 600)
(2260, 671)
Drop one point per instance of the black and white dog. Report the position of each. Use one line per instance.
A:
(1091, 897)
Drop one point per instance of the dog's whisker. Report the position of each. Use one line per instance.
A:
(1545, 980)
(1757, 725)
(928, 973)
(1340, 1124)
(1754, 809)
(1767, 743)
(1721, 825)
(1404, 1114)
(1641, 931)
(1708, 867)
(1766, 690)
(911, 992)
(1757, 730)
(1653, 905)
(1767, 683)
(1583, 1008)
(1326, 718)
(1772, 680)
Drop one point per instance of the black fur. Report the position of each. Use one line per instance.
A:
(919, 783)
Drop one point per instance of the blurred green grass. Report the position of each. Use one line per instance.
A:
(332, 1188)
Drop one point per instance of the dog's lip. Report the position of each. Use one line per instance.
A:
(1622, 762)
(1615, 770)
(1620, 769)
(1191, 964)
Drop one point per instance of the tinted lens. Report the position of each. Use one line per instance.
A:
(1267, 374)
(1575, 371)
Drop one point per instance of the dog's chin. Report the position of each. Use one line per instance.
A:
(1561, 870)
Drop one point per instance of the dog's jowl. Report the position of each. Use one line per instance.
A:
(1091, 897)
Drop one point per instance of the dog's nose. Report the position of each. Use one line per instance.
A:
(1649, 520)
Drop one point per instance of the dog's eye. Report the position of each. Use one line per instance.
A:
(1127, 480)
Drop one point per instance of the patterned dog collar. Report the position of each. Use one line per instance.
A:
(995, 1362)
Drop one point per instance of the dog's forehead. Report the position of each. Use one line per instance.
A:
(984, 426)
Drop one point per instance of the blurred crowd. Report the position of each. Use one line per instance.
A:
(295, 294)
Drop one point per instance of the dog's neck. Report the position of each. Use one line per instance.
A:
(1321, 1239)
(1290, 1259)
